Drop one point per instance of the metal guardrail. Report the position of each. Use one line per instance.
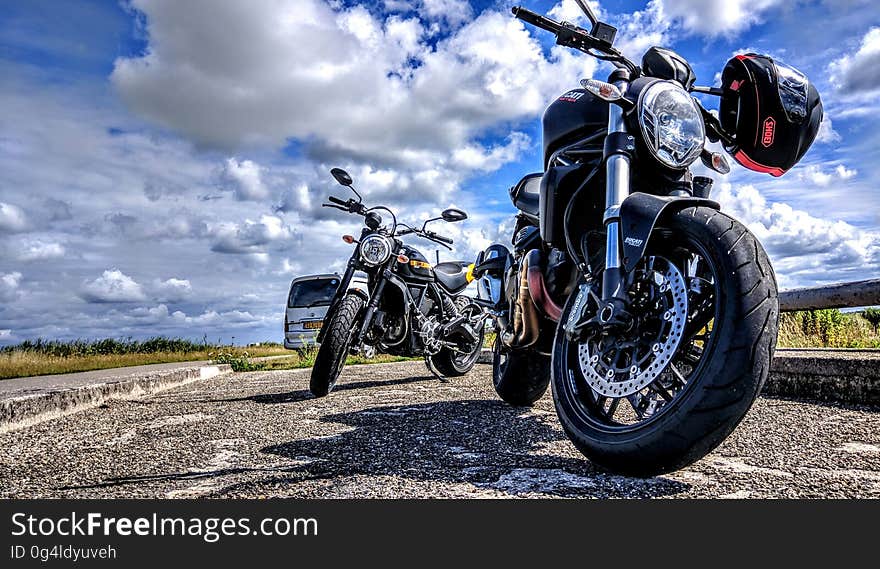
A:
(841, 295)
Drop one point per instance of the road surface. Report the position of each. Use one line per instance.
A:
(391, 430)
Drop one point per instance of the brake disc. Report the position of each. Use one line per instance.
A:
(599, 358)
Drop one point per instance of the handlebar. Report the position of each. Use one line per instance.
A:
(337, 200)
(569, 35)
(440, 238)
(536, 19)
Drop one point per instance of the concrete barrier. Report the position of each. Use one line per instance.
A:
(841, 376)
(27, 407)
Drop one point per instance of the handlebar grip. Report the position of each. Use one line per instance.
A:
(442, 239)
(535, 19)
(337, 201)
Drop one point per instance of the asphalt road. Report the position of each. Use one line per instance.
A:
(390, 430)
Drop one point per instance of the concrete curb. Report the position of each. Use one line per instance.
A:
(26, 409)
(841, 376)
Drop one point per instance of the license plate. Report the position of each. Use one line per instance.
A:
(314, 325)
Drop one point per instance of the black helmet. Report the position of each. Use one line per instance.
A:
(771, 110)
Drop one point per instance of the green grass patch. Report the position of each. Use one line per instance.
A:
(42, 357)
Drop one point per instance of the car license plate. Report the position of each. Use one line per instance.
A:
(314, 325)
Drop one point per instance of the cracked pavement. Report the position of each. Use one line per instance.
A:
(393, 431)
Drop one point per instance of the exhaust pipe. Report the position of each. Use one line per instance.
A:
(526, 320)
(538, 288)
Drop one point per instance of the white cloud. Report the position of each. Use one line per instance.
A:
(244, 178)
(804, 249)
(9, 286)
(822, 178)
(38, 250)
(826, 133)
(714, 17)
(859, 72)
(12, 218)
(172, 290)
(112, 286)
(359, 96)
(250, 237)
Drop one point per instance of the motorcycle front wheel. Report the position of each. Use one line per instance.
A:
(333, 350)
(664, 393)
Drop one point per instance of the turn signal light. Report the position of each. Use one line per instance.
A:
(403, 259)
(348, 239)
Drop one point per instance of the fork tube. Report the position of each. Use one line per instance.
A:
(617, 186)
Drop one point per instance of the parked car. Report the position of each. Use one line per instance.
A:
(307, 304)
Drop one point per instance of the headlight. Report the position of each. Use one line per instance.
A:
(375, 250)
(671, 124)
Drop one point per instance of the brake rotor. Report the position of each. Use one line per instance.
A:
(621, 365)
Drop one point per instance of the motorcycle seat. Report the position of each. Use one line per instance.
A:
(452, 275)
(526, 195)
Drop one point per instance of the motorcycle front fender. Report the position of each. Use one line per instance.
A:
(640, 212)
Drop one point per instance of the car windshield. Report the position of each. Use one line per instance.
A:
(317, 292)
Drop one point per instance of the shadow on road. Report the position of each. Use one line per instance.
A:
(483, 442)
(486, 443)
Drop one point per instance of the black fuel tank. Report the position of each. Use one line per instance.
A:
(574, 115)
(418, 269)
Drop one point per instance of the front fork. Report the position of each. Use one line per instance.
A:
(612, 306)
(619, 147)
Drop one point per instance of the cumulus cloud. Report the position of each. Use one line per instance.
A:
(112, 286)
(824, 178)
(805, 249)
(244, 179)
(371, 94)
(12, 218)
(172, 290)
(39, 250)
(249, 237)
(859, 72)
(9, 286)
(714, 17)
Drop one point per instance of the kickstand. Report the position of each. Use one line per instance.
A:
(433, 370)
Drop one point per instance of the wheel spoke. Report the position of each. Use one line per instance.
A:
(659, 390)
(677, 377)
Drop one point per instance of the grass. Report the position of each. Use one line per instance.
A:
(811, 329)
(827, 329)
(41, 357)
(303, 358)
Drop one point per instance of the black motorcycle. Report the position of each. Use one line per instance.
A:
(653, 314)
(409, 308)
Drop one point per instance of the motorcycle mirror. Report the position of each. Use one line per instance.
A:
(342, 176)
(344, 179)
(585, 8)
(453, 215)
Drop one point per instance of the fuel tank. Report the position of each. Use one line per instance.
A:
(576, 114)
(418, 269)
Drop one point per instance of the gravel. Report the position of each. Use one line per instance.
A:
(393, 431)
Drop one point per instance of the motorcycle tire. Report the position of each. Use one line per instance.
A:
(452, 364)
(520, 377)
(733, 364)
(333, 351)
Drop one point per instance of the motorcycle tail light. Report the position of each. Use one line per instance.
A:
(348, 239)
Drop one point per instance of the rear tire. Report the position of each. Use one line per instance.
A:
(334, 348)
(452, 364)
(520, 377)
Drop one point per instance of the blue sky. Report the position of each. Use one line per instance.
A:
(161, 162)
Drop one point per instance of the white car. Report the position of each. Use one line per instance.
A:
(307, 304)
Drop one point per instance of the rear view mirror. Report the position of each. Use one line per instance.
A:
(453, 215)
(342, 176)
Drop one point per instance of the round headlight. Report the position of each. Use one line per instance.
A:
(671, 124)
(375, 250)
